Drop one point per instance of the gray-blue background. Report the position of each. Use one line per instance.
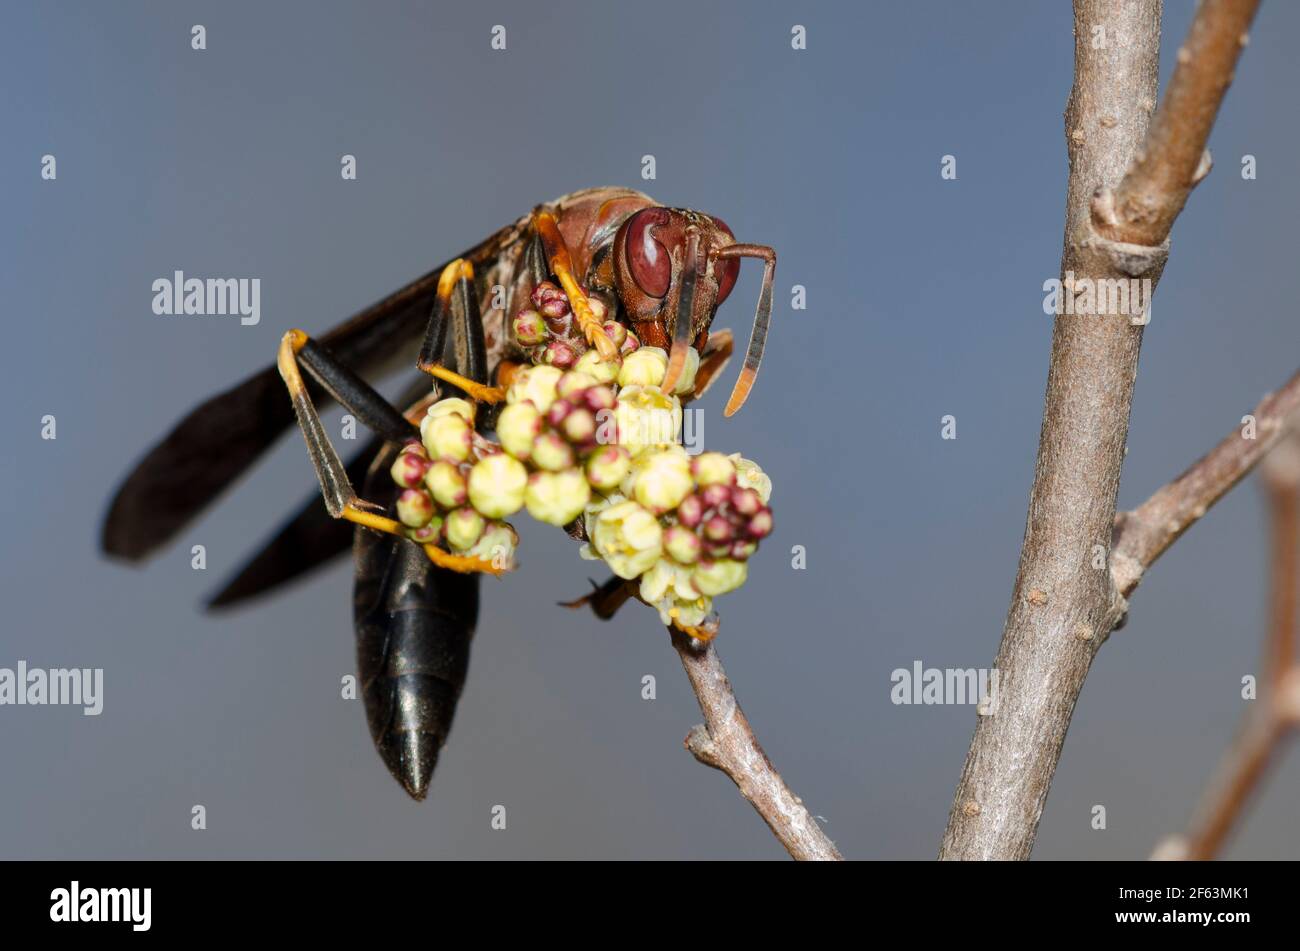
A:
(924, 299)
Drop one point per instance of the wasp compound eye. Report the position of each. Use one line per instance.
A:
(647, 258)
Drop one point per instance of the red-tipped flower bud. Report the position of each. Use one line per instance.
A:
(682, 544)
(530, 329)
(580, 426)
(545, 291)
(551, 452)
(760, 524)
(558, 411)
(409, 468)
(616, 332)
(718, 529)
(714, 495)
(745, 501)
(597, 398)
(555, 308)
(608, 466)
(741, 549)
(414, 508)
(690, 511)
(560, 354)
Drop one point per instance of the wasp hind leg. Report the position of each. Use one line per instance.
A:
(359, 397)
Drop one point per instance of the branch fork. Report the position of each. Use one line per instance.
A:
(1096, 233)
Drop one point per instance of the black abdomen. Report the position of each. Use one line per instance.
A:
(413, 625)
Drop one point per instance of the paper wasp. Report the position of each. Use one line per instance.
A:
(660, 271)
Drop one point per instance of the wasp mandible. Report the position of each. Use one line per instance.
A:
(659, 271)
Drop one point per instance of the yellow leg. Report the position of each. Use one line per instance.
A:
(453, 273)
(465, 564)
(561, 265)
(476, 391)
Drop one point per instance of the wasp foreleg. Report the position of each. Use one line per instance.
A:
(561, 265)
(717, 353)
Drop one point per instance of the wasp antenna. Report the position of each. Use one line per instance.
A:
(682, 329)
(762, 317)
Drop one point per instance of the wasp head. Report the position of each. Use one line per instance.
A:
(672, 268)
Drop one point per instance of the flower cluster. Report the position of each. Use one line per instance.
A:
(584, 438)
(685, 527)
(457, 487)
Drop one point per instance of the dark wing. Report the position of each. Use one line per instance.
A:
(216, 442)
(306, 541)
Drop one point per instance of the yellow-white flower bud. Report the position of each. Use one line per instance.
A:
(713, 468)
(445, 481)
(550, 451)
(497, 545)
(557, 498)
(453, 404)
(608, 466)
(496, 485)
(602, 371)
(536, 384)
(644, 367)
(682, 544)
(463, 528)
(517, 427)
(646, 417)
(628, 537)
(662, 480)
(446, 437)
(426, 534)
(718, 577)
(573, 381)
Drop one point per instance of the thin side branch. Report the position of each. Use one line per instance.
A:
(1174, 159)
(1143, 534)
(726, 742)
(1061, 610)
(1274, 715)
